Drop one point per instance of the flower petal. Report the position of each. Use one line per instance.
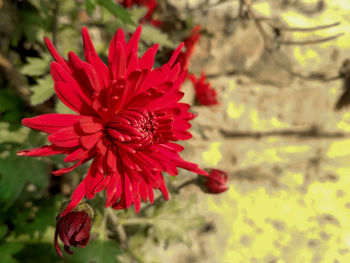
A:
(56, 56)
(43, 151)
(51, 122)
(147, 60)
(65, 137)
(92, 57)
(69, 91)
(116, 55)
(77, 196)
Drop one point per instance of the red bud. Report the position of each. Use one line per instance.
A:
(73, 229)
(215, 182)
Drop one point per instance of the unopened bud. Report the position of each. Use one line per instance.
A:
(74, 228)
(214, 182)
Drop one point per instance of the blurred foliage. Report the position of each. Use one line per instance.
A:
(22, 171)
(30, 197)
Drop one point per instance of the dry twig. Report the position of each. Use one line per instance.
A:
(271, 44)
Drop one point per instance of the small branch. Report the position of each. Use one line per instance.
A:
(304, 29)
(310, 41)
(257, 22)
(159, 198)
(206, 6)
(240, 9)
(103, 227)
(148, 221)
(137, 221)
(117, 228)
(309, 133)
(55, 23)
(270, 49)
(300, 75)
(184, 184)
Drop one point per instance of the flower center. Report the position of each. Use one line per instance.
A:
(137, 128)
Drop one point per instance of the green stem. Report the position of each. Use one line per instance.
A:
(137, 221)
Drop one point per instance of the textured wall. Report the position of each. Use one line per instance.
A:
(287, 151)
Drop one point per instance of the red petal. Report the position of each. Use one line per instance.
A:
(175, 54)
(65, 137)
(42, 151)
(117, 63)
(56, 56)
(69, 91)
(77, 196)
(50, 122)
(77, 155)
(89, 141)
(147, 60)
(85, 75)
(93, 179)
(128, 190)
(130, 88)
(57, 247)
(117, 51)
(133, 44)
(66, 169)
(92, 57)
(90, 124)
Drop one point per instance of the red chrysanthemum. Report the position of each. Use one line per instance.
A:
(128, 114)
(149, 4)
(190, 43)
(205, 95)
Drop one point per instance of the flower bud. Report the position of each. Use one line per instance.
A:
(215, 182)
(74, 228)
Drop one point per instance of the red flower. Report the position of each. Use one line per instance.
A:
(215, 182)
(149, 4)
(190, 43)
(205, 95)
(127, 116)
(73, 230)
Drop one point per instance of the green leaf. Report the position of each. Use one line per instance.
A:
(137, 13)
(97, 252)
(153, 35)
(36, 66)
(60, 107)
(10, 248)
(117, 10)
(36, 222)
(38, 252)
(12, 107)
(7, 136)
(68, 6)
(172, 220)
(70, 40)
(3, 230)
(15, 173)
(42, 91)
(31, 23)
(90, 6)
(8, 259)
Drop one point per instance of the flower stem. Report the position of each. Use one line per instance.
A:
(117, 228)
(176, 190)
(184, 184)
(137, 221)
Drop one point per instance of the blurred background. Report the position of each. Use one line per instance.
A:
(281, 131)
